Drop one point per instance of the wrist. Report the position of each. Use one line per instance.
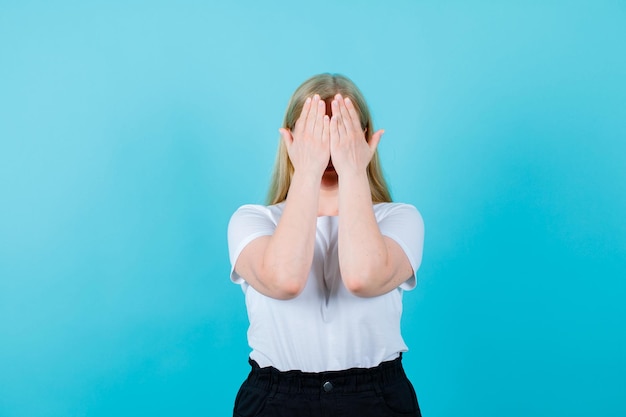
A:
(352, 173)
(353, 181)
(307, 176)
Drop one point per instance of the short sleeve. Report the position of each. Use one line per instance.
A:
(246, 224)
(404, 224)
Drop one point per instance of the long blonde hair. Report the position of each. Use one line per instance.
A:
(326, 85)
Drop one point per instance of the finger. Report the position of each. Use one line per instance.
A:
(342, 122)
(375, 140)
(354, 115)
(311, 117)
(337, 116)
(303, 113)
(334, 130)
(285, 135)
(319, 120)
(334, 107)
(326, 130)
(345, 116)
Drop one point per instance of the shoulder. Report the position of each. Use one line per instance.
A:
(249, 222)
(251, 209)
(404, 225)
(397, 210)
(257, 211)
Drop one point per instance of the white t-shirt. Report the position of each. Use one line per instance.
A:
(326, 327)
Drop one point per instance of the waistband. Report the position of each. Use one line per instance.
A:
(346, 381)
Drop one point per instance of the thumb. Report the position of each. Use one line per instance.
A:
(285, 134)
(373, 143)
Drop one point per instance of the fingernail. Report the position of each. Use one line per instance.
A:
(348, 100)
(308, 100)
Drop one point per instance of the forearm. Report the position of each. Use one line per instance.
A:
(363, 256)
(289, 253)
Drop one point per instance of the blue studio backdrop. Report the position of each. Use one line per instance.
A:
(130, 131)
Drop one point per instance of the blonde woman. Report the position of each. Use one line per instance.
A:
(323, 267)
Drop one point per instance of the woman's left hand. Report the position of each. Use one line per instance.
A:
(349, 150)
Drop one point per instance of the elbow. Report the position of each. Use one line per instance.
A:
(356, 287)
(288, 292)
(288, 287)
(360, 286)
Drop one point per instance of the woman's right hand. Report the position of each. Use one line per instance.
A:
(278, 265)
(308, 145)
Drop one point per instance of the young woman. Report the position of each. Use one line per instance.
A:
(323, 268)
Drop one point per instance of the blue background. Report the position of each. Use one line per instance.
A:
(130, 131)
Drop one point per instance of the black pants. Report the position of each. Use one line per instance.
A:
(381, 391)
